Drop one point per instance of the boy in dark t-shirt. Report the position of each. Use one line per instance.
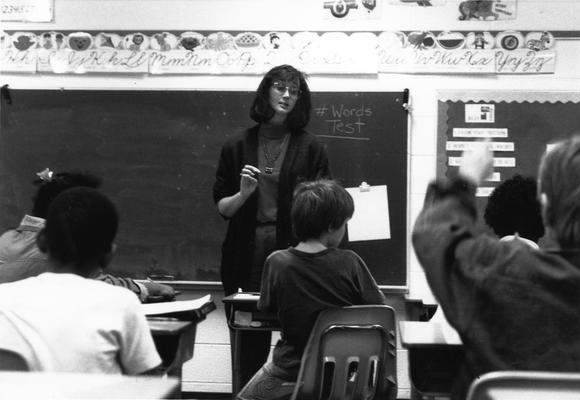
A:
(300, 281)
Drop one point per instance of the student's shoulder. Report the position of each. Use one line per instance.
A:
(280, 256)
(100, 289)
(344, 254)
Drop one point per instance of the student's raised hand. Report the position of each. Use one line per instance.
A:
(248, 180)
(477, 162)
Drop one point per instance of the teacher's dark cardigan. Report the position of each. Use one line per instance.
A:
(305, 160)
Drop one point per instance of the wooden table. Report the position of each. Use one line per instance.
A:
(48, 385)
(435, 356)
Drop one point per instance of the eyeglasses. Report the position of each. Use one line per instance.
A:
(281, 87)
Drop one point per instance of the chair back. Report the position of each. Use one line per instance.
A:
(537, 385)
(351, 354)
(12, 361)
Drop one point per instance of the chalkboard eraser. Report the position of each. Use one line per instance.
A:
(364, 187)
(162, 277)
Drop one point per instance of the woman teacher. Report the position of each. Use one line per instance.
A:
(255, 179)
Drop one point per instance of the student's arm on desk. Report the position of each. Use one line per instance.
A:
(158, 290)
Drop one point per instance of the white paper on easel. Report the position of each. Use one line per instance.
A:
(370, 220)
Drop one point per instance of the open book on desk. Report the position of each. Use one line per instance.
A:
(191, 310)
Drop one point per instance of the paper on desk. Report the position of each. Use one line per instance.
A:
(370, 220)
(174, 306)
(246, 296)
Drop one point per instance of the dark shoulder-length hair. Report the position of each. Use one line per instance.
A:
(261, 111)
(560, 182)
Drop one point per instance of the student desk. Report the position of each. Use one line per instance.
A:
(417, 310)
(243, 315)
(435, 355)
(175, 338)
(49, 385)
(174, 341)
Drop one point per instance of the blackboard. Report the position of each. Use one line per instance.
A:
(530, 126)
(156, 152)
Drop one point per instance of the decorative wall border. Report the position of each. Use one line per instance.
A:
(189, 52)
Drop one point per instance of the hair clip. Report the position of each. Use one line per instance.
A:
(45, 175)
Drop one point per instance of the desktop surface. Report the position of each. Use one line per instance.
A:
(43, 385)
(427, 334)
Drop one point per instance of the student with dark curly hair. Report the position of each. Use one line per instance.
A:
(513, 210)
(256, 175)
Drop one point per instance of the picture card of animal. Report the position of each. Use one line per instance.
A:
(487, 10)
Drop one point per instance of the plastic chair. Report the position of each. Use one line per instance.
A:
(517, 385)
(351, 354)
(12, 361)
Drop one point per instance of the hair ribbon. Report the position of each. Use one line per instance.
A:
(45, 175)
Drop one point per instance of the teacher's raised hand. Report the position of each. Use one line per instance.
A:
(248, 180)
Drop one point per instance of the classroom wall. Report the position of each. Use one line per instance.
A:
(298, 15)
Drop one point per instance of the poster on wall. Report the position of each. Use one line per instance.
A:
(520, 126)
(351, 9)
(508, 52)
(487, 10)
(28, 10)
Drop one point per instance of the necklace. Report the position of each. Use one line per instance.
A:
(271, 158)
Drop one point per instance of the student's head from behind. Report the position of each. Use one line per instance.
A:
(49, 185)
(320, 207)
(513, 207)
(80, 228)
(278, 82)
(559, 187)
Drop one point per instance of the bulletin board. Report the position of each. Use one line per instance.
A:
(520, 125)
(157, 152)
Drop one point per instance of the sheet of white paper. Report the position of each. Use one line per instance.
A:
(174, 306)
(246, 296)
(370, 220)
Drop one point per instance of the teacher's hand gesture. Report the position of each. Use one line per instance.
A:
(248, 180)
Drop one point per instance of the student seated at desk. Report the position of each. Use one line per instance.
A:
(300, 281)
(513, 306)
(20, 257)
(60, 321)
(513, 211)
